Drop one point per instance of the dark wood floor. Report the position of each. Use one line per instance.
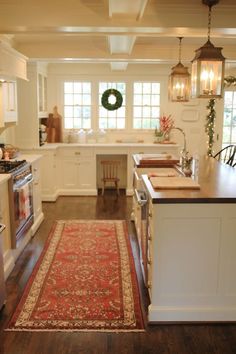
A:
(172, 338)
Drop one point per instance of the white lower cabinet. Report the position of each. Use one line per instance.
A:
(192, 254)
(75, 169)
(37, 198)
(8, 258)
(49, 175)
(78, 172)
(2, 281)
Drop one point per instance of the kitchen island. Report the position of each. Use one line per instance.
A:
(191, 248)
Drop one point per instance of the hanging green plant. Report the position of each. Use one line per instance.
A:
(210, 126)
(106, 99)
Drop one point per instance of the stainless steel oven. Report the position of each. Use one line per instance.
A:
(20, 188)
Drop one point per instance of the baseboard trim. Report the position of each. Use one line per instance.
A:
(9, 263)
(77, 192)
(21, 244)
(129, 192)
(157, 314)
(37, 223)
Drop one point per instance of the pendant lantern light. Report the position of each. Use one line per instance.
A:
(208, 66)
(179, 81)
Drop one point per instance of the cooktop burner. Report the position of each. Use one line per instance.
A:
(11, 166)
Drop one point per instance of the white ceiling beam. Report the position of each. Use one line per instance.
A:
(126, 8)
(121, 44)
(119, 65)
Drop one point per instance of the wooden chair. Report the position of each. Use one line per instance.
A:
(110, 174)
(227, 155)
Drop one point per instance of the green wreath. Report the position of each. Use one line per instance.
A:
(105, 99)
(230, 81)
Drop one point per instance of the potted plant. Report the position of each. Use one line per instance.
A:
(166, 123)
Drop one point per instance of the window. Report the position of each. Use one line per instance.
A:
(146, 105)
(229, 124)
(77, 105)
(112, 119)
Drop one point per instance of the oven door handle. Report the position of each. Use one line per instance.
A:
(140, 200)
(26, 182)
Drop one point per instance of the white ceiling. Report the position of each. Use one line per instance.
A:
(119, 32)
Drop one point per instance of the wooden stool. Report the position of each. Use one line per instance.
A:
(110, 173)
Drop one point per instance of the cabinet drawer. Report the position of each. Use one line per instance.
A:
(77, 152)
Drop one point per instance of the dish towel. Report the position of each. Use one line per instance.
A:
(24, 202)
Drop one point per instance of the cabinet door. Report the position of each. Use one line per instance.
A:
(2, 282)
(5, 216)
(42, 95)
(37, 200)
(10, 102)
(49, 176)
(87, 175)
(69, 173)
(78, 173)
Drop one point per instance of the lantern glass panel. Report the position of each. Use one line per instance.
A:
(210, 78)
(179, 88)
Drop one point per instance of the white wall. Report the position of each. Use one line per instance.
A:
(190, 116)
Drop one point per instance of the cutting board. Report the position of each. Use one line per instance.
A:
(158, 159)
(174, 183)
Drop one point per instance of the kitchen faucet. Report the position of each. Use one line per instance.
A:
(183, 152)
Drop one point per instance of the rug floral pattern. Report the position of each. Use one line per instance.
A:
(84, 280)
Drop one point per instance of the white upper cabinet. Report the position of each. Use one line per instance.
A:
(9, 101)
(12, 66)
(12, 63)
(42, 95)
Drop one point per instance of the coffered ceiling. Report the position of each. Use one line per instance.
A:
(118, 32)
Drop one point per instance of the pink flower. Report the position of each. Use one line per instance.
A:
(166, 123)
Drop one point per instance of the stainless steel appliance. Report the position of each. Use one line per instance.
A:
(20, 197)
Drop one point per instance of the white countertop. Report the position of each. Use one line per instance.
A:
(50, 146)
(29, 157)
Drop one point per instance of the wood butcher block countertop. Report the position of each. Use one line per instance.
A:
(217, 185)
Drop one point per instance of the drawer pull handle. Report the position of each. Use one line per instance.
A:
(77, 153)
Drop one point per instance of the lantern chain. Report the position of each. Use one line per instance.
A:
(209, 23)
(180, 39)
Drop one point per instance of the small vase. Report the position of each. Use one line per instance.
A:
(159, 139)
(167, 136)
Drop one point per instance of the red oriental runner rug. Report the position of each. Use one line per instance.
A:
(84, 280)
